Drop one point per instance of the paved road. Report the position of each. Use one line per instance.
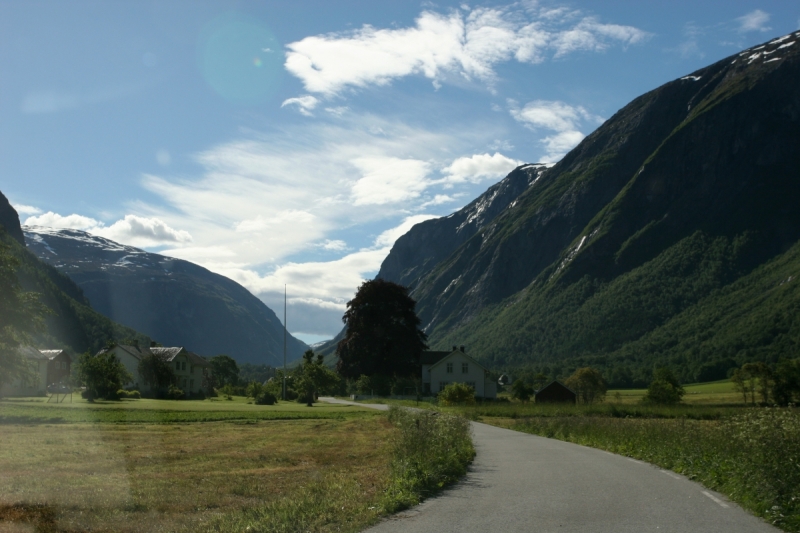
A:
(521, 482)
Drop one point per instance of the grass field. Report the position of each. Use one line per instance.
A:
(148, 465)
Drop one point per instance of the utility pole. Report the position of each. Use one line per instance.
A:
(284, 342)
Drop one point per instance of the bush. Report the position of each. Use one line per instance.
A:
(457, 394)
(430, 450)
(133, 394)
(174, 393)
(266, 398)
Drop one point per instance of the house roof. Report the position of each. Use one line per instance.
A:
(555, 381)
(431, 357)
(52, 354)
(30, 352)
(171, 353)
(454, 352)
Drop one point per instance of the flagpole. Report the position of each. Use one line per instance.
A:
(284, 342)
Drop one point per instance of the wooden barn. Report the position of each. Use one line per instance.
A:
(555, 392)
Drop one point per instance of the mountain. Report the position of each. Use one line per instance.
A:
(72, 323)
(173, 301)
(428, 243)
(667, 236)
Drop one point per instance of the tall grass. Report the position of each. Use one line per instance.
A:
(518, 410)
(753, 456)
(430, 450)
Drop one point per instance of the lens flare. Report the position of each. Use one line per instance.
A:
(227, 51)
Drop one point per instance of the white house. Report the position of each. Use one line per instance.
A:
(189, 368)
(441, 368)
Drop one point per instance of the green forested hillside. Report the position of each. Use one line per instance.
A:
(668, 236)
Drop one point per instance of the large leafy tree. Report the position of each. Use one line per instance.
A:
(312, 377)
(21, 316)
(157, 372)
(588, 384)
(224, 370)
(102, 374)
(383, 335)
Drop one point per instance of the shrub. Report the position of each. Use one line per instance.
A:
(266, 398)
(133, 394)
(430, 450)
(174, 393)
(457, 394)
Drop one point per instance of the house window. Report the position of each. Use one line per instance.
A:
(465, 368)
(442, 385)
(177, 365)
(449, 368)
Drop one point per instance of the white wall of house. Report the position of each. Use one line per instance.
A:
(190, 376)
(459, 368)
(131, 364)
(35, 386)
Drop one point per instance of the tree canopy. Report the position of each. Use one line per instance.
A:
(588, 384)
(224, 370)
(383, 335)
(102, 374)
(157, 372)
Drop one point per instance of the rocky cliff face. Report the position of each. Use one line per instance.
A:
(173, 301)
(695, 184)
(9, 219)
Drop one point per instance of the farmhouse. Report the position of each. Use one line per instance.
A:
(443, 367)
(555, 392)
(49, 367)
(190, 369)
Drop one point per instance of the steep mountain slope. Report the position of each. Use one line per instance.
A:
(73, 324)
(174, 301)
(682, 193)
(417, 252)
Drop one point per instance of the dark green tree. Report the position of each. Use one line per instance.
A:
(665, 388)
(22, 317)
(157, 373)
(383, 335)
(786, 382)
(588, 384)
(312, 377)
(224, 370)
(521, 391)
(102, 375)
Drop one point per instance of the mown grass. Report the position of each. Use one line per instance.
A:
(751, 455)
(36, 410)
(340, 471)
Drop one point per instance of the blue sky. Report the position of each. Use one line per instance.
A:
(293, 142)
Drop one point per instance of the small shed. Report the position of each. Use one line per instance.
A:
(555, 392)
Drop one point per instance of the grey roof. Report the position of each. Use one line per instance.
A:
(133, 350)
(170, 353)
(552, 383)
(30, 352)
(52, 354)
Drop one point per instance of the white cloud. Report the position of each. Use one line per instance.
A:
(463, 44)
(305, 104)
(141, 231)
(565, 120)
(54, 220)
(479, 167)
(389, 180)
(334, 246)
(439, 199)
(756, 20)
(133, 230)
(388, 237)
(26, 209)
